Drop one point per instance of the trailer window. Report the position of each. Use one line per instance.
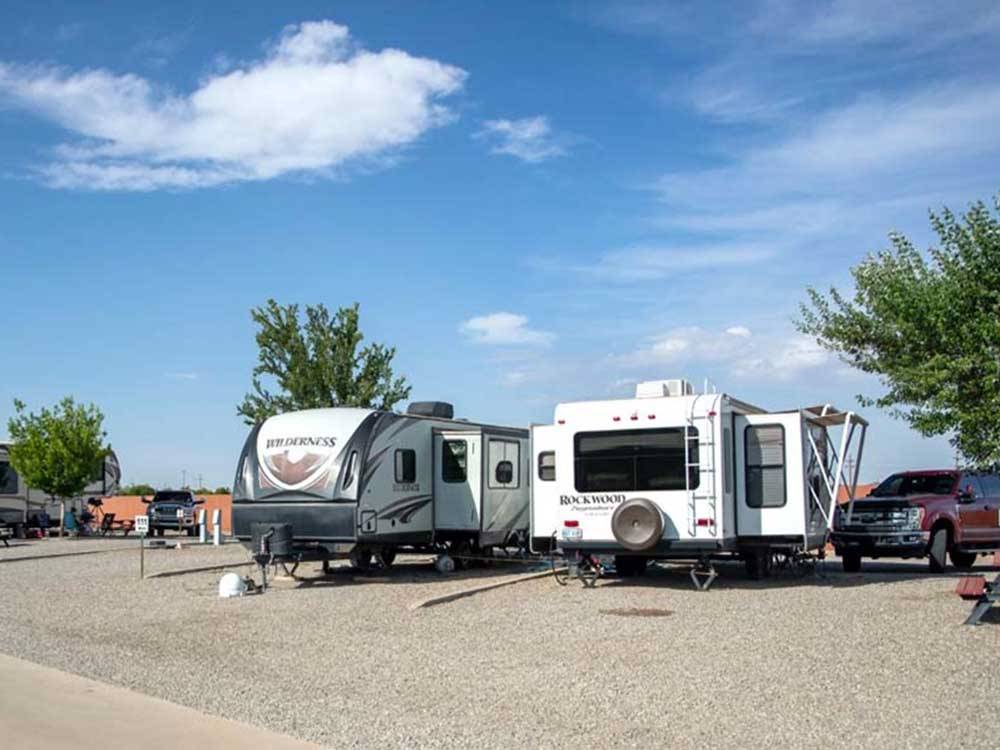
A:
(764, 447)
(636, 460)
(547, 466)
(454, 459)
(504, 460)
(8, 479)
(352, 463)
(406, 466)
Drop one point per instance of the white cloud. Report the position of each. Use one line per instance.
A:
(182, 375)
(837, 172)
(782, 356)
(315, 102)
(504, 328)
(857, 22)
(529, 139)
(652, 263)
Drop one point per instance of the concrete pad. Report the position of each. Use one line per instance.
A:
(45, 709)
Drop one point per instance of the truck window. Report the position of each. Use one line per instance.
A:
(764, 448)
(636, 460)
(971, 480)
(991, 484)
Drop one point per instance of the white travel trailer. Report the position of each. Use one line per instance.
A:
(674, 474)
(365, 483)
(18, 501)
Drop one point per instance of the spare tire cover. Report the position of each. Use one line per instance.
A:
(637, 524)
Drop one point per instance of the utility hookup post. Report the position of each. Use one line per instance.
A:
(142, 528)
(217, 527)
(202, 529)
(180, 526)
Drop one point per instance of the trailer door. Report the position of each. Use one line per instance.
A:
(769, 475)
(457, 480)
(546, 521)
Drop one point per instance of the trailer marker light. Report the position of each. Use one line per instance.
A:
(616, 419)
(571, 524)
(706, 522)
(712, 413)
(561, 421)
(634, 417)
(652, 416)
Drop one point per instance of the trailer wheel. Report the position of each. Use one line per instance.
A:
(938, 550)
(386, 556)
(963, 560)
(629, 566)
(852, 561)
(361, 559)
(758, 563)
(460, 552)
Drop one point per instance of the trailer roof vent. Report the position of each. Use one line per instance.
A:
(439, 409)
(663, 388)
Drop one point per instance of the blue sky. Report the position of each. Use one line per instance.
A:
(533, 202)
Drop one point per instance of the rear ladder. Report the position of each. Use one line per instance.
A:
(703, 438)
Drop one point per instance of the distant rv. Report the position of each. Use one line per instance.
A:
(364, 484)
(18, 502)
(675, 474)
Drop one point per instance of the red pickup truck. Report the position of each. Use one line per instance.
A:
(937, 514)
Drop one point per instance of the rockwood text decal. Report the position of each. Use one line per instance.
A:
(593, 500)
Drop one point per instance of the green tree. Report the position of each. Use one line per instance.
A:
(928, 325)
(221, 491)
(58, 451)
(317, 363)
(137, 489)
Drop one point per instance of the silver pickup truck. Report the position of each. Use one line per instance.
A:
(163, 512)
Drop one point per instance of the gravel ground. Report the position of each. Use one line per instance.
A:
(49, 547)
(876, 659)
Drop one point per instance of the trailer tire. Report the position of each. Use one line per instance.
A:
(938, 550)
(361, 559)
(962, 560)
(758, 563)
(460, 551)
(852, 561)
(629, 566)
(386, 556)
(637, 524)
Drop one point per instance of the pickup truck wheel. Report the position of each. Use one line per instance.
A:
(852, 561)
(963, 560)
(938, 550)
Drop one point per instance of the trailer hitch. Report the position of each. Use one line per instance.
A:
(985, 595)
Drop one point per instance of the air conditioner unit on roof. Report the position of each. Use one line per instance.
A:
(663, 388)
